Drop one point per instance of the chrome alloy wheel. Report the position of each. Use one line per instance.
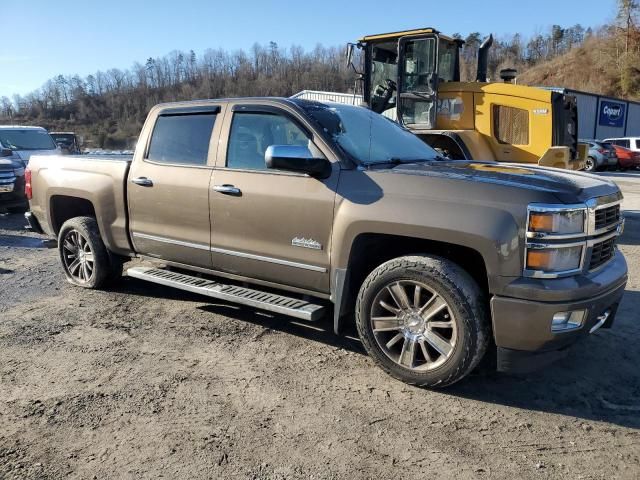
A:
(77, 256)
(590, 165)
(413, 325)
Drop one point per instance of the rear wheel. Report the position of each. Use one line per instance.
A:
(423, 320)
(590, 165)
(85, 259)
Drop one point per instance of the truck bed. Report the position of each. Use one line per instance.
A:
(97, 181)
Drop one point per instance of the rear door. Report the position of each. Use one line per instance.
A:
(168, 184)
(270, 225)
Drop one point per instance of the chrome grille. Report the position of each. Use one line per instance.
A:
(606, 217)
(7, 176)
(602, 252)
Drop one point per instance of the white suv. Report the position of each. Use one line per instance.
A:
(632, 143)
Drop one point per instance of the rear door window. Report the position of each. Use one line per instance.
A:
(181, 139)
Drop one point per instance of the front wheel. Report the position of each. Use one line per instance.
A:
(423, 320)
(85, 259)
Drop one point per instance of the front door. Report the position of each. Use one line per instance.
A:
(267, 224)
(168, 189)
(418, 81)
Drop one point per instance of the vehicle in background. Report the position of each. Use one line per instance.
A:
(17, 144)
(413, 77)
(20, 143)
(632, 143)
(600, 157)
(68, 142)
(627, 158)
(437, 259)
(12, 182)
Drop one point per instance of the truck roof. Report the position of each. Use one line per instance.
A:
(195, 103)
(402, 33)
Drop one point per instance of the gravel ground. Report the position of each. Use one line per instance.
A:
(143, 381)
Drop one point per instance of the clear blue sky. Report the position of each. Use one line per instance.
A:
(43, 38)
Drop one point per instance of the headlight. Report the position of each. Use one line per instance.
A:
(556, 240)
(554, 260)
(555, 221)
(558, 223)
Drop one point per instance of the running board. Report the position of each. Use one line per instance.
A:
(292, 307)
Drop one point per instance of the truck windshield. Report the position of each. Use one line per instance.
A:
(27, 139)
(366, 136)
(63, 138)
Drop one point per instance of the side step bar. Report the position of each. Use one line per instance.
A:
(292, 307)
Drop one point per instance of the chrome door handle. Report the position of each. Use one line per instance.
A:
(227, 189)
(142, 181)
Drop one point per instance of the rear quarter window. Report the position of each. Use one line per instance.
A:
(181, 139)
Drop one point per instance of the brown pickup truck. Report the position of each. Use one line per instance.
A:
(327, 207)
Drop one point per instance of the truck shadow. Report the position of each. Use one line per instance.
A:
(320, 331)
(20, 241)
(12, 222)
(631, 235)
(598, 381)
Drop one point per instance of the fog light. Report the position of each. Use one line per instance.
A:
(564, 321)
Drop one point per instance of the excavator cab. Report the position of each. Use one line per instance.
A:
(403, 71)
(413, 77)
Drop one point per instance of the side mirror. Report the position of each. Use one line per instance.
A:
(294, 158)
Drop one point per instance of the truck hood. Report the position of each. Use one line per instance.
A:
(10, 164)
(567, 186)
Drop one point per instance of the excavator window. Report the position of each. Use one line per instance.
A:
(384, 67)
(447, 54)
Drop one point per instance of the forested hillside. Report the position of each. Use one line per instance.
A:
(108, 107)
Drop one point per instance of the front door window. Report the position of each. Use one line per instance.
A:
(251, 135)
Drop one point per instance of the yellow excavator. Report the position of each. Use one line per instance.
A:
(413, 76)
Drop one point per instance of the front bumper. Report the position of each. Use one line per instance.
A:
(522, 324)
(12, 195)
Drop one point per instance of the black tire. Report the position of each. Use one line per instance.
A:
(590, 165)
(106, 266)
(465, 301)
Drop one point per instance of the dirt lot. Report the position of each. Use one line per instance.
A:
(143, 381)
